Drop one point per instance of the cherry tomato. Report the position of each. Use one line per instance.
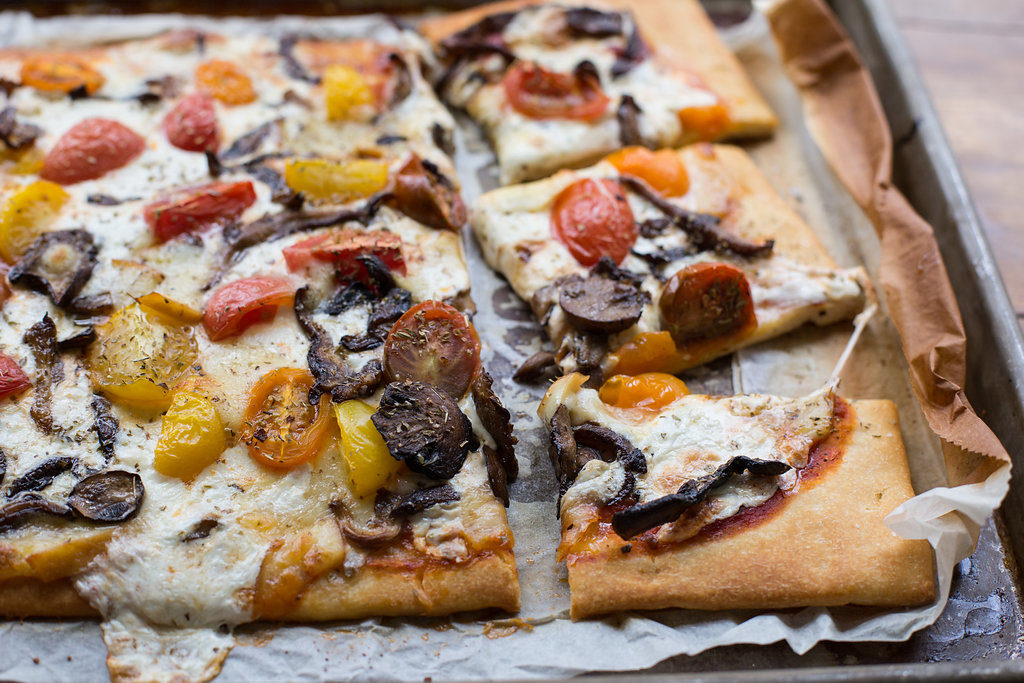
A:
(198, 208)
(707, 301)
(241, 304)
(12, 378)
(647, 391)
(646, 352)
(433, 343)
(593, 219)
(226, 81)
(704, 123)
(282, 428)
(538, 93)
(60, 73)
(663, 170)
(192, 124)
(343, 246)
(91, 149)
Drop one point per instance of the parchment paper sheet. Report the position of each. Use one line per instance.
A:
(541, 641)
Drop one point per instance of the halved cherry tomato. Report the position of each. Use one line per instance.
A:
(347, 93)
(241, 304)
(26, 215)
(12, 378)
(433, 343)
(198, 208)
(282, 428)
(343, 246)
(90, 149)
(593, 219)
(169, 309)
(646, 352)
(538, 93)
(707, 301)
(370, 465)
(647, 391)
(663, 170)
(191, 435)
(60, 73)
(192, 124)
(336, 181)
(704, 123)
(226, 81)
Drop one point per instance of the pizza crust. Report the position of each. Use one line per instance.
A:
(827, 546)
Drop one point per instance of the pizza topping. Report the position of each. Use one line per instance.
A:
(497, 478)
(292, 66)
(238, 305)
(663, 170)
(42, 339)
(343, 247)
(22, 508)
(637, 519)
(347, 94)
(337, 182)
(226, 81)
(191, 436)
(399, 83)
(707, 301)
(418, 500)
(593, 23)
(57, 264)
(539, 93)
(198, 208)
(109, 497)
(79, 340)
(91, 149)
(200, 530)
(172, 311)
(611, 446)
(480, 38)
(427, 196)
(192, 124)
(383, 314)
(704, 123)
(636, 51)
(60, 73)
(379, 531)
(13, 379)
(251, 142)
(628, 116)
(26, 215)
(424, 426)
(601, 304)
(566, 457)
(282, 428)
(91, 306)
(433, 343)
(14, 134)
(646, 391)
(370, 465)
(42, 475)
(541, 365)
(592, 219)
(105, 425)
(498, 422)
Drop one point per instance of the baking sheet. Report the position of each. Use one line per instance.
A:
(540, 641)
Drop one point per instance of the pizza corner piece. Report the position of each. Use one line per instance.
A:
(239, 378)
(660, 261)
(559, 85)
(738, 502)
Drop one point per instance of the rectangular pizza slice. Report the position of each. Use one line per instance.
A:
(661, 261)
(238, 377)
(558, 85)
(736, 502)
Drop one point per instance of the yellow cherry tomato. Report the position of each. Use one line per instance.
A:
(226, 81)
(347, 94)
(646, 352)
(191, 437)
(648, 391)
(26, 216)
(138, 356)
(170, 310)
(704, 123)
(60, 73)
(663, 170)
(336, 181)
(370, 464)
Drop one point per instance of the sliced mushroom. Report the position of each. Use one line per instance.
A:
(91, 306)
(497, 421)
(107, 200)
(19, 510)
(42, 475)
(14, 134)
(200, 530)
(589, 350)
(384, 312)
(541, 365)
(3, 465)
(593, 23)
(566, 457)
(57, 264)
(390, 139)
(419, 500)
(628, 116)
(378, 532)
(600, 304)
(611, 446)
(424, 427)
(111, 496)
(42, 339)
(442, 138)
(425, 195)
(636, 51)
(401, 80)
(105, 425)
(292, 66)
(349, 296)
(77, 341)
(251, 142)
(483, 37)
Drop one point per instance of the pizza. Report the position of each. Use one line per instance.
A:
(557, 85)
(671, 499)
(659, 261)
(238, 374)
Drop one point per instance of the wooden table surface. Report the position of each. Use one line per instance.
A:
(971, 55)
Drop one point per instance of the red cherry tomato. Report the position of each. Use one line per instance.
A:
(192, 124)
(198, 208)
(593, 219)
(707, 301)
(538, 93)
(433, 343)
(12, 378)
(89, 150)
(343, 246)
(241, 304)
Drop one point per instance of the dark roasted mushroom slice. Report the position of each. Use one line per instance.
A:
(292, 66)
(57, 264)
(636, 51)
(497, 421)
(593, 23)
(348, 296)
(42, 475)
(379, 531)
(380, 278)
(19, 510)
(639, 518)
(77, 341)
(383, 314)
(421, 499)
(483, 37)
(401, 80)
(425, 195)
(3, 465)
(442, 138)
(601, 304)
(424, 427)
(496, 476)
(589, 350)
(566, 457)
(105, 426)
(91, 306)
(628, 116)
(611, 446)
(111, 496)
(251, 142)
(14, 134)
(541, 365)
(200, 530)
(42, 339)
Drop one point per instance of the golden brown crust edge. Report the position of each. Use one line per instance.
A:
(32, 598)
(829, 546)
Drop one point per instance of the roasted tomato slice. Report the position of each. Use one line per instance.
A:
(433, 343)
(241, 304)
(538, 93)
(192, 124)
(704, 123)
(91, 149)
(198, 208)
(343, 246)
(282, 428)
(647, 391)
(12, 378)
(226, 81)
(707, 301)
(663, 170)
(593, 219)
(60, 73)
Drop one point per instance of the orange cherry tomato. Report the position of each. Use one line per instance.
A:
(704, 123)
(538, 93)
(192, 124)
(282, 428)
(90, 149)
(342, 246)
(707, 301)
(646, 352)
(647, 391)
(663, 170)
(239, 305)
(60, 73)
(592, 219)
(12, 378)
(226, 81)
(198, 208)
(433, 343)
